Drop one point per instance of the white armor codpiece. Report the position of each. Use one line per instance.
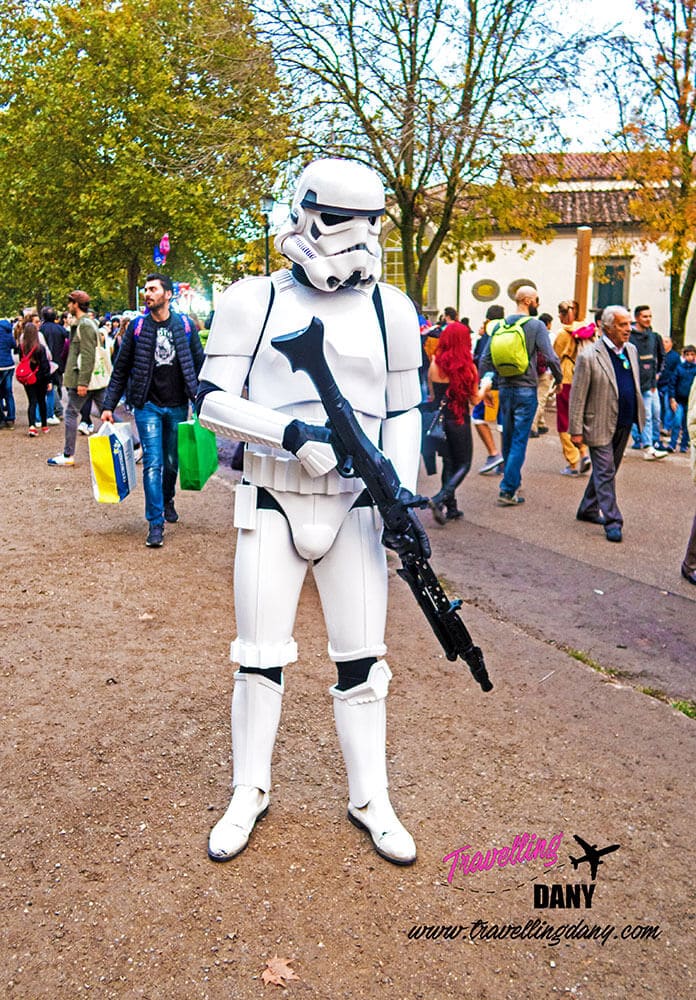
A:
(295, 509)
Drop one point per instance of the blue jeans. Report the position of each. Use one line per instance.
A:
(680, 424)
(7, 403)
(651, 430)
(666, 415)
(157, 428)
(518, 406)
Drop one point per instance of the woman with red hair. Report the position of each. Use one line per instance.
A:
(453, 378)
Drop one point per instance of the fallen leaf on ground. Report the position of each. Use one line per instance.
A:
(278, 971)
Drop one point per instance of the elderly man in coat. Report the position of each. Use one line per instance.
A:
(605, 401)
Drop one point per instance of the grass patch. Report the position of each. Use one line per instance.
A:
(686, 706)
(654, 693)
(577, 654)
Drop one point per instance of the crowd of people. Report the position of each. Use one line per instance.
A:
(79, 365)
(608, 379)
(461, 389)
(45, 339)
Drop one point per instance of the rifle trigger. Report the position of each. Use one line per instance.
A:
(345, 467)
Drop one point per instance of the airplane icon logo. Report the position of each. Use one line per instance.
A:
(592, 856)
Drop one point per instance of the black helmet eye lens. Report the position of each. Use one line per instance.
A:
(333, 220)
(372, 220)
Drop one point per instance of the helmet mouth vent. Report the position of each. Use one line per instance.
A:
(356, 246)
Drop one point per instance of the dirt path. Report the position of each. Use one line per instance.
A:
(115, 763)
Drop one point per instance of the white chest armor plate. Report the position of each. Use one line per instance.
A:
(353, 347)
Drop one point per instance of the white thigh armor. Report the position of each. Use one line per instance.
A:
(379, 377)
(268, 576)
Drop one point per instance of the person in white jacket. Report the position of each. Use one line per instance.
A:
(292, 508)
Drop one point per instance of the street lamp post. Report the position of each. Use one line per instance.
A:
(267, 204)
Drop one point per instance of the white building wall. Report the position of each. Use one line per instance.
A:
(551, 267)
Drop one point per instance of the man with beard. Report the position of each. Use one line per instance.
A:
(518, 393)
(158, 365)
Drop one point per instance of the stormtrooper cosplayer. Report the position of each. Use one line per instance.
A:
(293, 508)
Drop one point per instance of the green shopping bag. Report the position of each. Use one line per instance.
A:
(198, 457)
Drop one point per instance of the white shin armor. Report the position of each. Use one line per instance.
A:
(361, 724)
(256, 704)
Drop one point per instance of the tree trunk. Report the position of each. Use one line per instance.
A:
(133, 274)
(680, 299)
(414, 287)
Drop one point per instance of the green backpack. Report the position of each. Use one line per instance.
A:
(509, 348)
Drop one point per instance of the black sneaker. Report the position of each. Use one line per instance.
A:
(155, 536)
(170, 514)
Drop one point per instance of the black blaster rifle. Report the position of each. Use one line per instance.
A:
(357, 456)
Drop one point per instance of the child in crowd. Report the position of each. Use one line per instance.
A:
(679, 388)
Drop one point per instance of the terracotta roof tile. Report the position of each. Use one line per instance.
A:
(568, 166)
(591, 208)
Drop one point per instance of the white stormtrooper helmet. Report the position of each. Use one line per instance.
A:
(334, 224)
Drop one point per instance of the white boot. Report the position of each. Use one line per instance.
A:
(361, 724)
(256, 704)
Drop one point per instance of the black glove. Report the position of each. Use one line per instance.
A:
(411, 541)
(298, 433)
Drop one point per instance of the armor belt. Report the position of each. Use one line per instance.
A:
(285, 474)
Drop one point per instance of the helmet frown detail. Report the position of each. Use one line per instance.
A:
(334, 225)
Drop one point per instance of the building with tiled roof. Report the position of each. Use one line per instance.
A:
(582, 190)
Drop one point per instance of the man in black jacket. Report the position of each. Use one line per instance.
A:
(159, 361)
(55, 336)
(651, 355)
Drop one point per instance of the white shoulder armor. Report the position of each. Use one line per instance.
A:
(403, 332)
(239, 317)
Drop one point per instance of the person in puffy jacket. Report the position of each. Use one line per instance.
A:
(679, 389)
(7, 366)
(157, 366)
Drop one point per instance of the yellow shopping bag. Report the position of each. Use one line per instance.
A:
(112, 462)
